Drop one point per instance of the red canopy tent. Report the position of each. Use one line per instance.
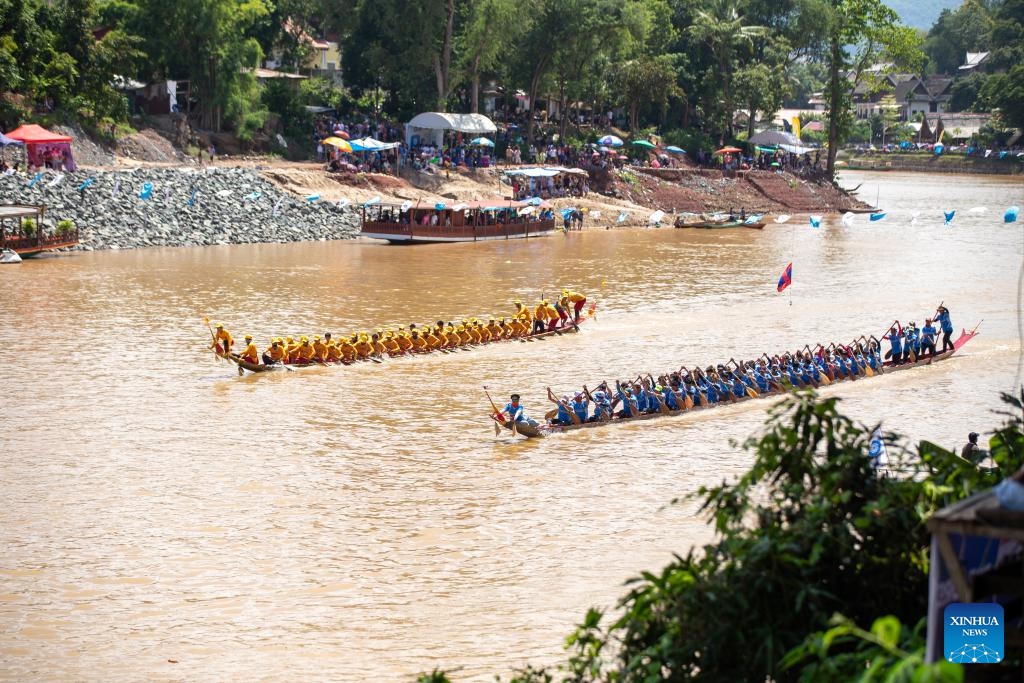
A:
(45, 148)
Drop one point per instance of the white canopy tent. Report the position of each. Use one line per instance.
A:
(428, 128)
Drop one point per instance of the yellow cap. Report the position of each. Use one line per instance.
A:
(219, 325)
(248, 336)
(303, 338)
(316, 337)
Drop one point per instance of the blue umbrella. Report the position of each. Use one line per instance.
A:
(482, 142)
(610, 140)
(675, 150)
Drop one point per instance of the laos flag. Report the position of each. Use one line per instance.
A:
(787, 277)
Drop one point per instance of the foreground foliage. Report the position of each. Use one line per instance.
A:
(818, 563)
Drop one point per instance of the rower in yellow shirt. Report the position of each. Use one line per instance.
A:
(274, 353)
(577, 300)
(251, 354)
(333, 350)
(304, 353)
(419, 343)
(290, 346)
(319, 349)
(551, 313)
(391, 344)
(404, 340)
(540, 315)
(222, 340)
(378, 348)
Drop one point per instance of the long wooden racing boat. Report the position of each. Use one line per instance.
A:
(533, 431)
(244, 365)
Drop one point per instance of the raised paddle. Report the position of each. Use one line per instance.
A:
(497, 414)
(216, 351)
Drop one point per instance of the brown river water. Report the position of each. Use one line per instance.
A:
(164, 519)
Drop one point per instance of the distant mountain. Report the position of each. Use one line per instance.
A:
(921, 13)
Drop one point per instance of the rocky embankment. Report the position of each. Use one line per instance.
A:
(183, 207)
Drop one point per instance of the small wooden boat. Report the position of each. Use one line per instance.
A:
(244, 366)
(716, 222)
(533, 431)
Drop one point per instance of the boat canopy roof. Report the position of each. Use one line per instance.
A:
(545, 171)
(19, 211)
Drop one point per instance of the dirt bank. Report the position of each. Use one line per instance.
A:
(633, 192)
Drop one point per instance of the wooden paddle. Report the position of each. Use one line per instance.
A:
(497, 413)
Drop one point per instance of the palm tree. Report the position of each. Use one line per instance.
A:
(721, 27)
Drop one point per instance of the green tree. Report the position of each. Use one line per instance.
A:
(874, 33)
(1005, 92)
(729, 37)
(645, 79)
(956, 32)
(488, 32)
(209, 43)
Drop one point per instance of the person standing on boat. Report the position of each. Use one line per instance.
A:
(250, 354)
(578, 301)
(942, 318)
(928, 334)
(222, 340)
(540, 314)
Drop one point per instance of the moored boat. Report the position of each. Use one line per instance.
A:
(22, 231)
(716, 222)
(535, 430)
(425, 222)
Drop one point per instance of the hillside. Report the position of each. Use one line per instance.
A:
(921, 13)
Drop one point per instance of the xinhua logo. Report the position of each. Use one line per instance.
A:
(973, 633)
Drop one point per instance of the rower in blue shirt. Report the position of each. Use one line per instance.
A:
(563, 416)
(928, 334)
(911, 343)
(942, 318)
(895, 337)
(580, 405)
(629, 402)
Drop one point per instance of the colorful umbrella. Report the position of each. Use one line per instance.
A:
(482, 142)
(343, 145)
(643, 143)
(610, 140)
(675, 150)
(729, 150)
(342, 134)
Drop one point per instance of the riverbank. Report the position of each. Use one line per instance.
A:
(931, 163)
(249, 200)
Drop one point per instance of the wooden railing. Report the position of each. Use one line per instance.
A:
(39, 241)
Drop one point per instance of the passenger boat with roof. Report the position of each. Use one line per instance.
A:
(478, 221)
(23, 232)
